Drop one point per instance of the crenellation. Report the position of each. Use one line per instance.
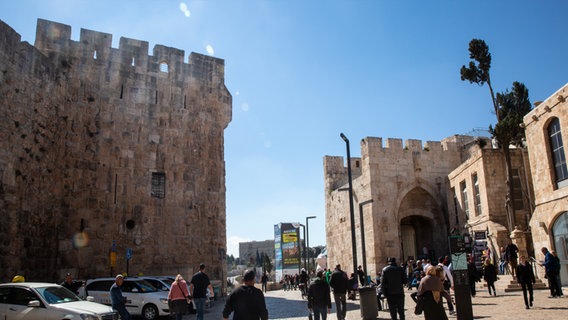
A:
(94, 42)
(413, 145)
(394, 144)
(86, 134)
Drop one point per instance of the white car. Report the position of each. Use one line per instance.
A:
(48, 301)
(142, 299)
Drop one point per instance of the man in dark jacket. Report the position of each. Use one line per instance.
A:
(319, 301)
(525, 276)
(393, 280)
(339, 282)
(247, 301)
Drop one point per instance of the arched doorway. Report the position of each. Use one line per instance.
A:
(416, 233)
(560, 234)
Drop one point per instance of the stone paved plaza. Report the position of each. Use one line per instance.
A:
(289, 305)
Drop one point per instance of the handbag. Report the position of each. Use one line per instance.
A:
(419, 305)
(187, 299)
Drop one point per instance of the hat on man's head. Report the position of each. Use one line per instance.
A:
(249, 275)
(119, 276)
(392, 260)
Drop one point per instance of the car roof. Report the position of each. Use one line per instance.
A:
(29, 284)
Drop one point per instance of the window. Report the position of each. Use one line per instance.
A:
(518, 203)
(163, 67)
(158, 185)
(464, 199)
(558, 156)
(477, 197)
(456, 206)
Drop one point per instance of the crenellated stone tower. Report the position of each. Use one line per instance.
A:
(401, 193)
(105, 149)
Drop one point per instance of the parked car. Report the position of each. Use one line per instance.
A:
(164, 283)
(159, 283)
(48, 301)
(142, 299)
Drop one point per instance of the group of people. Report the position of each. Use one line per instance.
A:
(296, 281)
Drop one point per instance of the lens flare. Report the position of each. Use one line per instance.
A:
(80, 240)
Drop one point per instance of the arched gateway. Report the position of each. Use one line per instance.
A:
(423, 228)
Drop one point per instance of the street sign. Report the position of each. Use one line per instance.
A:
(128, 253)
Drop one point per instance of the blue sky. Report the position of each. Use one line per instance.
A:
(302, 71)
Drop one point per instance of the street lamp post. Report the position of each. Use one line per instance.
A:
(307, 237)
(351, 211)
(363, 235)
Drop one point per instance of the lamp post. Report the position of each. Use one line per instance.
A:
(307, 237)
(300, 246)
(363, 235)
(351, 211)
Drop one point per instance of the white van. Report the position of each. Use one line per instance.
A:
(142, 299)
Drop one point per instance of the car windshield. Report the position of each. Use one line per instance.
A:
(55, 295)
(167, 281)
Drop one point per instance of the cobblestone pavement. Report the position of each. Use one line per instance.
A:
(505, 306)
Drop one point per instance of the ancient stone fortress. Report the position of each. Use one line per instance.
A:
(107, 154)
(406, 199)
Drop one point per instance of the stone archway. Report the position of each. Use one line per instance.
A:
(422, 224)
(415, 233)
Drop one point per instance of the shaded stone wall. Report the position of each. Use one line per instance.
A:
(85, 130)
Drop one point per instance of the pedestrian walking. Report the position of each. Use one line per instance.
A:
(339, 283)
(473, 275)
(490, 275)
(511, 255)
(246, 302)
(393, 280)
(178, 297)
(429, 290)
(362, 276)
(319, 300)
(525, 276)
(448, 283)
(71, 284)
(117, 299)
(198, 290)
(552, 269)
(264, 281)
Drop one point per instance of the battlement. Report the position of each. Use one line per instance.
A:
(412, 145)
(95, 47)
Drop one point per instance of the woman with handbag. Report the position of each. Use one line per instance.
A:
(178, 297)
(429, 296)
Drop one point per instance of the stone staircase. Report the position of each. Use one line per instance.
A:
(507, 283)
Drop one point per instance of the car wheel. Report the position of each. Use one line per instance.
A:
(150, 312)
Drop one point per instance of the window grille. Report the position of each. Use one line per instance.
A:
(158, 185)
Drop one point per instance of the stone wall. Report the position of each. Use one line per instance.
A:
(103, 145)
(394, 184)
(551, 199)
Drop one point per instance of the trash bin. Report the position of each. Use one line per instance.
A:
(368, 303)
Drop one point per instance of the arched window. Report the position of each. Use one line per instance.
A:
(558, 155)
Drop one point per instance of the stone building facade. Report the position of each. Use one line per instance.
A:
(108, 150)
(546, 131)
(479, 194)
(401, 194)
(408, 200)
(248, 250)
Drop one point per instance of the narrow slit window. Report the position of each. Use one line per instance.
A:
(133, 63)
(158, 185)
(95, 55)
